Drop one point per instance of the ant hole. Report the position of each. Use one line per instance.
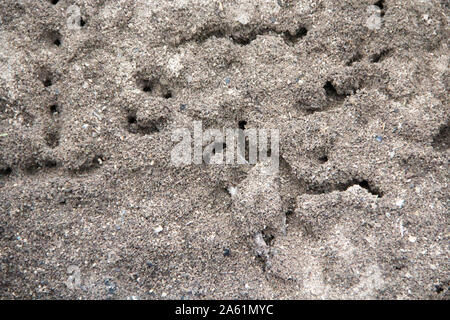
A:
(54, 1)
(57, 42)
(132, 119)
(168, 95)
(54, 109)
(323, 159)
(5, 171)
(82, 22)
(146, 85)
(242, 124)
(47, 82)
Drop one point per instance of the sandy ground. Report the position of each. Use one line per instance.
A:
(91, 206)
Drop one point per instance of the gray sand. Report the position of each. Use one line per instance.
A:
(91, 206)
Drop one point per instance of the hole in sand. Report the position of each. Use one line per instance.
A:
(145, 85)
(365, 184)
(330, 90)
(54, 2)
(299, 33)
(323, 159)
(54, 108)
(332, 93)
(242, 124)
(380, 4)
(47, 82)
(168, 95)
(5, 171)
(131, 119)
(378, 57)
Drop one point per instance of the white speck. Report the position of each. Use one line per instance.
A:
(243, 19)
(412, 239)
(175, 65)
(400, 203)
(232, 190)
(400, 226)
(158, 229)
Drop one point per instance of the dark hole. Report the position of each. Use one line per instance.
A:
(168, 95)
(132, 119)
(47, 82)
(242, 40)
(439, 288)
(330, 90)
(362, 183)
(380, 4)
(323, 159)
(54, 108)
(50, 164)
(5, 171)
(268, 237)
(96, 160)
(299, 33)
(54, 1)
(146, 86)
(57, 42)
(289, 212)
(365, 184)
(82, 22)
(378, 57)
(242, 124)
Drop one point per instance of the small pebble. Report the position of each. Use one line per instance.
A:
(226, 252)
(379, 138)
(158, 229)
(227, 80)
